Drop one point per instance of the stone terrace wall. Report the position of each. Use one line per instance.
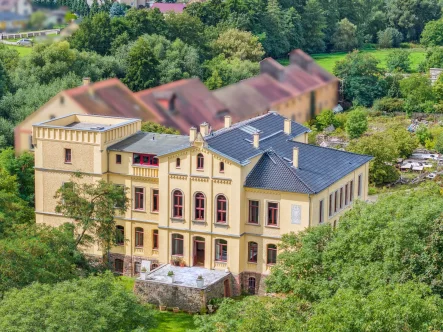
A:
(174, 295)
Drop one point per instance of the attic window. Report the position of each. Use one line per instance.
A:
(62, 100)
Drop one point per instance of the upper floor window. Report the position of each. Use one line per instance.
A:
(321, 209)
(222, 203)
(155, 239)
(139, 237)
(359, 185)
(68, 156)
(177, 197)
(118, 158)
(199, 206)
(155, 200)
(252, 252)
(222, 167)
(253, 212)
(346, 194)
(221, 250)
(139, 199)
(177, 244)
(331, 204)
(272, 214)
(120, 235)
(351, 191)
(271, 254)
(177, 163)
(200, 161)
(145, 159)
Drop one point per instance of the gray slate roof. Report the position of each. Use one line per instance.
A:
(318, 167)
(151, 143)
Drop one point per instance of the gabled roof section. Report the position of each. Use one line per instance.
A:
(273, 173)
(111, 98)
(184, 104)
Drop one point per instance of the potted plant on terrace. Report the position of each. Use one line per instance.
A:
(182, 263)
(143, 273)
(200, 281)
(171, 276)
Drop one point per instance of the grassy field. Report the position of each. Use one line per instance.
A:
(328, 60)
(22, 50)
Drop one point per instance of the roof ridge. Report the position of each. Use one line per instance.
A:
(332, 149)
(292, 169)
(163, 134)
(237, 125)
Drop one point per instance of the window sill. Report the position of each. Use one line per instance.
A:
(271, 226)
(145, 166)
(200, 169)
(177, 220)
(138, 247)
(255, 263)
(218, 224)
(68, 162)
(252, 224)
(200, 222)
(119, 244)
(221, 262)
(138, 210)
(155, 212)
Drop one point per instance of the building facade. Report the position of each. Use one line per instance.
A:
(218, 200)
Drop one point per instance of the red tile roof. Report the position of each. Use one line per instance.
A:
(112, 98)
(169, 7)
(183, 104)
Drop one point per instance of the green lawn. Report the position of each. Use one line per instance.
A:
(22, 50)
(173, 322)
(328, 60)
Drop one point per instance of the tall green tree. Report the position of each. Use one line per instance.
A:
(142, 71)
(356, 123)
(345, 36)
(432, 34)
(92, 207)
(314, 25)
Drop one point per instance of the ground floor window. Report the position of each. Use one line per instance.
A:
(221, 250)
(177, 244)
(252, 252)
(272, 254)
(251, 285)
(118, 265)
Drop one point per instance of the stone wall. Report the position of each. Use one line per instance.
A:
(173, 295)
(260, 287)
(128, 263)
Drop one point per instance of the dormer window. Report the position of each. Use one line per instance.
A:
(200, 161)
(145, 159)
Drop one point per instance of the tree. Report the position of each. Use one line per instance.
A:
(30, 253)
(399, 61)
(238, 44)
(362, 79)
(185, 27)
(325, 119)
(142, 70)
(117, 10)
(405, 141)
(89, 304)
(9, 57)
(439, 144)
(432, 34)
(381, 168)
(417, 90)
(423, 134)
(37, 20)
(143, 21)
(152, 127)
(4, 81)
(214, 81)
(345, 36)
(314, 24)
(357, 123)
(92, 207)
(390, 37)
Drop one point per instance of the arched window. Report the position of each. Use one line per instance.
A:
(222, 167)
(199, 206)
(177, 204)
(252, 252)
(139, 237)
(221, 250)
(200, 161)
(222, 204)
(251, 285)
(120, 235)
(271, 254)
(177, 244)
(177, 163)
(155, 239)
(118, 265)
(137, 267)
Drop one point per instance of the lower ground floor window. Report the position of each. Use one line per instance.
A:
(137, 267)
(251, 285)
(118, 265)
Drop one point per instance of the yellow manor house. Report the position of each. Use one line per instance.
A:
(214, 199)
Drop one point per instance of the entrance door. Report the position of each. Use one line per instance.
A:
(227, 287)
(199, 251)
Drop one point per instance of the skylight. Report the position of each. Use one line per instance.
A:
(249, 129)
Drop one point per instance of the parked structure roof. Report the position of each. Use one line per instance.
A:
(183, 104)
(151, 143)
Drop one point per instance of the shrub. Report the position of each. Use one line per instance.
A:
(390, 37)
(399, 60)
(389, 105)
(357, 123)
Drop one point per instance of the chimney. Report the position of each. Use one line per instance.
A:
(204, 129)
(273, 68)
(256, 140)
(192, 134)
(228, 121)
(295, 157)
(287, 127)
(300, 58)
(86, 81)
